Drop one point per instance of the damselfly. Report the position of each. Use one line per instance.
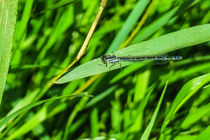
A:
(114, 59)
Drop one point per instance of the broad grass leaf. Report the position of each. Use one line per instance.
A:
(161, 45)
(8, 13)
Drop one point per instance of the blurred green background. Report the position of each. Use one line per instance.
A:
(125, 104)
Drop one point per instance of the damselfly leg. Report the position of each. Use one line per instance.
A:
(111, 59)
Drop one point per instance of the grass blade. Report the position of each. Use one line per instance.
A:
(204, 135)
(150, 29)
(188, 90)
(57, 5)
(28, 107)
(128, 25)
(161, 45)
(148, 130)
(8, 13)
(195, 116)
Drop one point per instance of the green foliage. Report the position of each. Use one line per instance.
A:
(8, 12)
(144, 100)
(128, 25)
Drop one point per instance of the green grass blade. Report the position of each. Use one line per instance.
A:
(141, 88)
(188, 90)
(204, 135)
(153, 27)
(128, 25)
(100, 97)
(8, 13)
(127, 71)
(94, 122)
(22, 25)
(28, 107)
(57, 5)
(185, 137)
(78, 107)
(195, 116)
(161, 45)
(148, 130)
(42, 115)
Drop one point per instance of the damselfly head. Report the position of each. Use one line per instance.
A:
(103, 59)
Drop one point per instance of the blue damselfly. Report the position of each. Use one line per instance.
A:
(114, 59)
